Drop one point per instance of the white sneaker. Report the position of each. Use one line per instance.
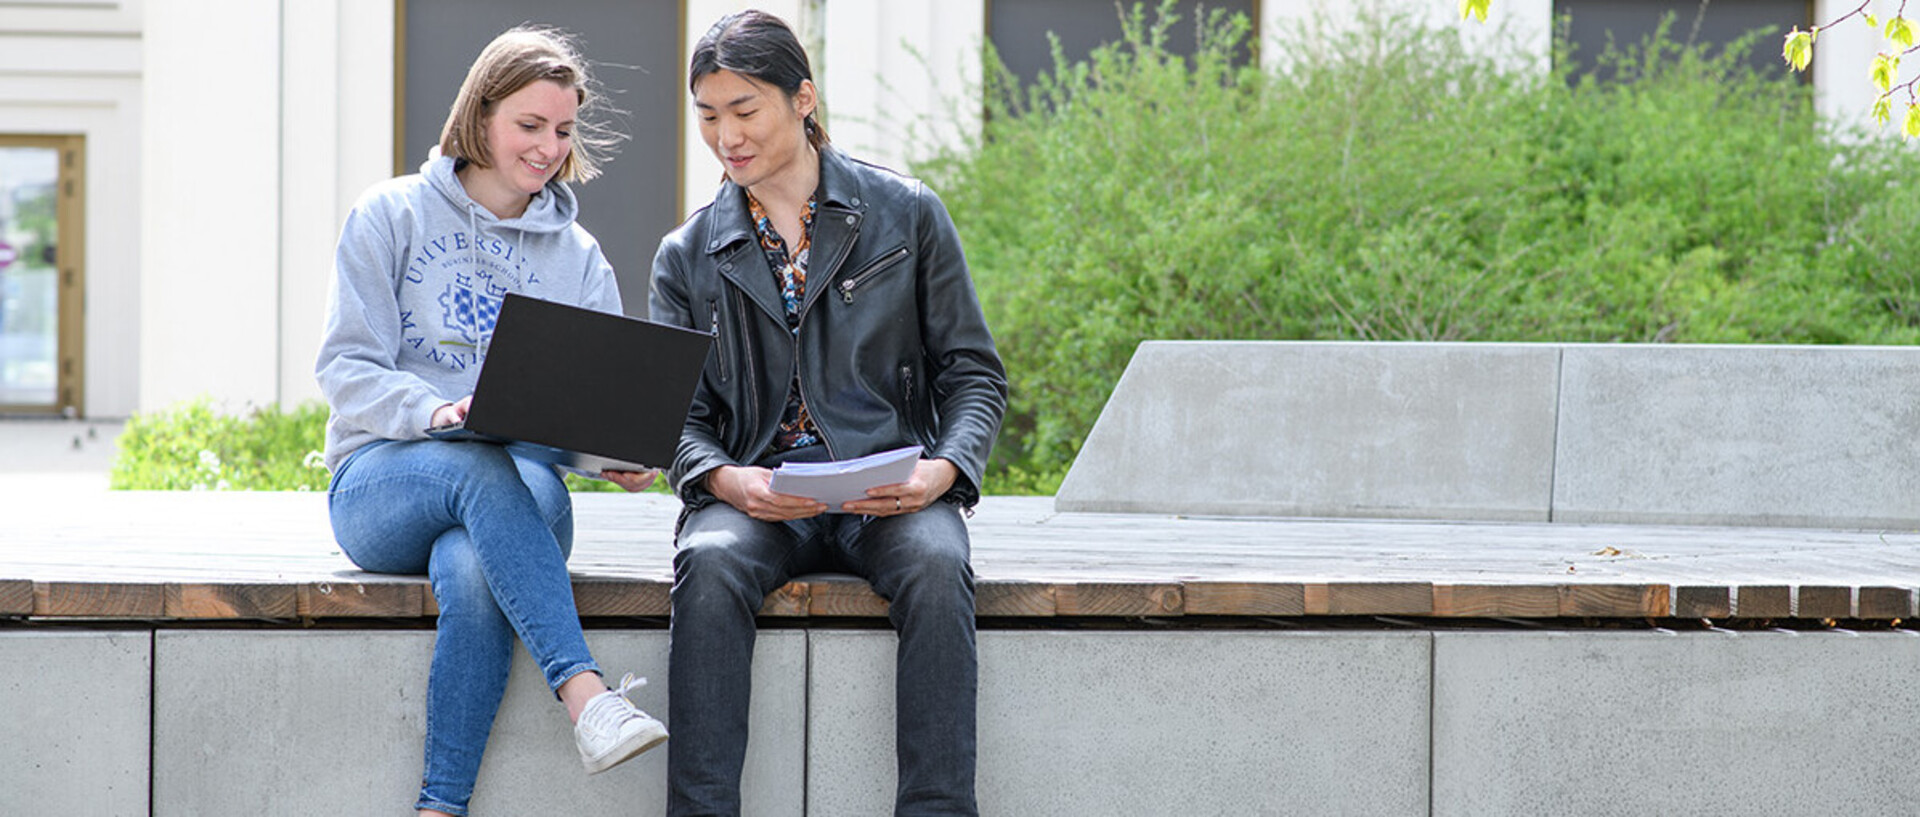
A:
(611, 729)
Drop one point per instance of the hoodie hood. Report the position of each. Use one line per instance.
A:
(420, 275)
(549, 211)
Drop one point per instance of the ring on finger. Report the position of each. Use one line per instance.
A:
(896, 504)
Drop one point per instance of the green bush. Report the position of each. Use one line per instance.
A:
(196, 447)
(1387, 185)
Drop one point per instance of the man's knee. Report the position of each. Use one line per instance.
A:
(712, 568)
(930, 578)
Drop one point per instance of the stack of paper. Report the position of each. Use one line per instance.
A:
(843, 481)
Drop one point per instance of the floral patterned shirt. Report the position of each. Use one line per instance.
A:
(790, 274)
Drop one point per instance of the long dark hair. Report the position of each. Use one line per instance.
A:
(760, 47)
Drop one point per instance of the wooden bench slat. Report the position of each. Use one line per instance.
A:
(98, 599)
(1615, 600)
(1886, 602)
(1245, 599)
(1368, 598)
(1119, 599)
(1496, 600)
(1703, 602)
(844, 597)
(1764, 601)
(1015, 598)
(1821, 601)
(363, 600)
(204, 601)
(788, 601)
(16, 597)
(622, 597)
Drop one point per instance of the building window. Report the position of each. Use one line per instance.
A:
(1590, 24)
(1019, 29)
(635, 52)
(40, 274)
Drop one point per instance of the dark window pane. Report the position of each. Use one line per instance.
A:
(1715, 24)
(635, 50)
(1018, 29)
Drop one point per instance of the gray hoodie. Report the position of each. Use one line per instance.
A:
(417, 282)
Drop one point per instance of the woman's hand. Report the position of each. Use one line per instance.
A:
(452, 412)
(930, 481)
(632, 482)
(749, 489)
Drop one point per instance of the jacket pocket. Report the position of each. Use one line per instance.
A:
(886, 261)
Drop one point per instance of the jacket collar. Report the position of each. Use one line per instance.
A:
(836, 223)
(839, 190)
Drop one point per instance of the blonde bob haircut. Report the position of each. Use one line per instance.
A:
(517, 58)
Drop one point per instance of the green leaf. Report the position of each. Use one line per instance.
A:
(1900, 31)
(1882, 110)
(1872, 22)
(1475, 8)
(1882, 72)
(1798, 49)
(1911, 129)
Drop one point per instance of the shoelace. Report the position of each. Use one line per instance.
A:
(608, 716)
(627, 682)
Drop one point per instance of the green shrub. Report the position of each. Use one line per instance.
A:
(1388, 185)
(196, 447)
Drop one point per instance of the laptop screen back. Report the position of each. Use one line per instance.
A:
(580, 380)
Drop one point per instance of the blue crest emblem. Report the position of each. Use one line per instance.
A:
(470, 313)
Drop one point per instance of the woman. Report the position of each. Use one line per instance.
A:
(422, 265)
(845, 324)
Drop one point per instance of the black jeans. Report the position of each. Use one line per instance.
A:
(727, 563)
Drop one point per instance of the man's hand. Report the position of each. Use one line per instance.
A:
(632, 481)
(930, 481)
(748, 489)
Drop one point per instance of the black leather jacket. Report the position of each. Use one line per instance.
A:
(892, 348)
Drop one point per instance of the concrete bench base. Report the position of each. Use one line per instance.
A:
(1369, 722)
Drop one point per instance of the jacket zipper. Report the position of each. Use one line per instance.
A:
(919, 429)
(913, 417)
(713, 326)
(849, 284)
(746, 351)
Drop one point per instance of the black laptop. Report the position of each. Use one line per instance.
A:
(583, 389)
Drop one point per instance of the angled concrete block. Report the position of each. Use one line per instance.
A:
(1699, 723)
(1081, 723)
(74, 707)
(1739, 435)
(334, 721)
(1388, 430)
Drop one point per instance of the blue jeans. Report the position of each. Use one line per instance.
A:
(492, 532)
(727, 563)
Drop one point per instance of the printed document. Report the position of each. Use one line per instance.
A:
(843, 481)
